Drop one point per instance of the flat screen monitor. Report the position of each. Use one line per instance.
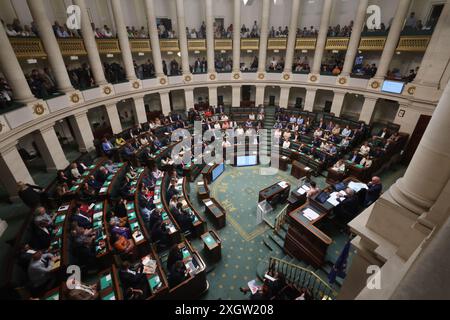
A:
(392, 86)
(243, 161)
(218, 171)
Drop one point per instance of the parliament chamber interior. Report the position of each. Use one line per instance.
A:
(224, 150)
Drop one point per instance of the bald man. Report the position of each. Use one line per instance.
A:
(374, 191)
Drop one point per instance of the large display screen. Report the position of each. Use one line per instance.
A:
(243, 161)
(392, 86)
(218, 171)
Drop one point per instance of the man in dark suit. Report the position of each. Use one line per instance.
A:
(355, 157)
(82, 219)
(178, 274)
(373, 192)
(133, 279)
(348, 208)
(160, 233)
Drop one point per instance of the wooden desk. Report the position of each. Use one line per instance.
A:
(196, 284)
(202, 189)
(198, 223)
(299, 170)
(282, 162)
(335, 176)
(304, 240)
(160, 202)
(215, 211)
(157, 281)
(296, 199)
(275, 193)
(212, 245)
(108, 287)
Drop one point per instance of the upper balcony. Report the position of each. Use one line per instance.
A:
(27, 48)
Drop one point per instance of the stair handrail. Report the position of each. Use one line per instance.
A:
(280, 219)
(318, 291)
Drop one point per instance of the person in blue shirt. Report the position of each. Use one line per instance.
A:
(128, 150)
(107, 147)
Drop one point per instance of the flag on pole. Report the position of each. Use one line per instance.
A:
(340, 266)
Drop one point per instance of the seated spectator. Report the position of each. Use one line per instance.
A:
(28, 194)
(313, 190)
(339, 166)
(39, 272)
(365, 149)
(373, 192)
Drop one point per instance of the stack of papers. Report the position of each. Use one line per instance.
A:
(303, 189)
(209, 203)
(310, 214)
(357, 186)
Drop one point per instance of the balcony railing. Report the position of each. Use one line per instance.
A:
(249, 44)
(28, 47)
(169, 45)
(277, 44)
(223, 44)
(32, 47)
(413, 43)
(305, 44)
(72, 47)
(140, 45)
(337, 43)
(197, 45)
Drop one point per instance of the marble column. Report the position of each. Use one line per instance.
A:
(309, 99)
(284, 97)
(292, 36)
(338, 102)
(50, 149)
(367, 109)
(236, 36)
(124, 42)
(236, 96)
(47, 36)
(189, 98)
(263, 38)
(429, 169)
(154, 38)
(182, 37)
(13, 170)
(322, 37)
(113, 117)
(259, 96)
(212, 95)
(13, 72)
(82, 131)
(355, 38)
(91, 46)
(437, 55)
(210, 37)
(140, 116)
(392, 39)
(165, 102)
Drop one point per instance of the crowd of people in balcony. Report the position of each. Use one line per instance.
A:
(223, 63)
(194, 34)
(301, 65)
(337, 31)
(220, 32)
(15, 29)
(199, 66)
(276, 64)
(250, 33)
(278, 33)
(165, 32)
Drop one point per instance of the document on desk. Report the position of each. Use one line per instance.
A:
(209, 203)
(310, 214)
(200, 183)
(333, 201)
(357, 186)
(283, 184)
(103, 190)
(301, 191)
